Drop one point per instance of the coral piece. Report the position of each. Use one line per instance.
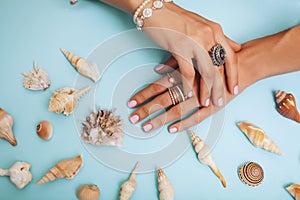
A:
(88, 192)
(103, 128)
(258, 137)
(286, 106)
(294, 190)
(6, 123)
(166, 190)
(44, 130)
(205, 157)
(65, 100)
(19, 174)
(128, 187)
(84, 67)
(63, 169)
(251, 174)
(37, 79)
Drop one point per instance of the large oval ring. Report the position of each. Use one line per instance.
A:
(218, 55)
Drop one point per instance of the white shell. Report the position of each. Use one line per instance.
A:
(6, 124)
(19, 174)
(84, 67)
(37, 79)
(166, 190)
(103, 128)
(128, 187)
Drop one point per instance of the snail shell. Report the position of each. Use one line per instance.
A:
(44, 130)
(88, 192)
(251, 174)
(286, 105)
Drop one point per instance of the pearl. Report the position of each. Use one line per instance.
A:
(147, 12)
(158, 4)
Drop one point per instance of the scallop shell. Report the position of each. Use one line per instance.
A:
(103, 128)
(6, 123)
(63, 169)
(84, 67)
(286, 106)
(258, 137)
(65, 100)
(37, 79)
(294, 190)
(128, 187)
(165, 188)
(88, 192)
(19, 174)
(205, 157)
(251, 174)
(44, 130)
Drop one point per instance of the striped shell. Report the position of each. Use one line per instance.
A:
(286, 106)
(251, 174)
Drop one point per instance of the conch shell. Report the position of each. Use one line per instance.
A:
(88, 192)
(103, 128)
(294, 190)
(63, 169)
(6, 123)
(65, 100)
(166, 190)
(84, 67)
(286, 106)
(258, 137)
(205, 157)
(44, 130)
(19, 174)
(128, 187)
(37, 79)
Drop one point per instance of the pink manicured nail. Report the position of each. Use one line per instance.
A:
(207, 102)
(220, 102)
(134, 119)
(159, 67)
(236, 90)
(147, 127)
(132, 103)
(190, 94)
(173, 130)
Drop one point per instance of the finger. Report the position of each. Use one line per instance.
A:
(176, 112)
(234, 45)
(204, 92)
(218, 89)
(168, 66)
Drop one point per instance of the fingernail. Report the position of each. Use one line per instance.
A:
(207, 102)
(132, 103)
(190, 94)
(134, 119)
(173, 130)
(159, 67)
(147, 127)
(236, 90)
(220, 102)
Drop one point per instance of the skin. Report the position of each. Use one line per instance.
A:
(254, 64)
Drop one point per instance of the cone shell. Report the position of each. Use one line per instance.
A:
(44, 130)
(6, 123)
(286, 106)
(128, 187)
(88, 192)
(63, 169)
(294, 190)
(258, 137)
(166, 190)
(87, 69)
(251, 174)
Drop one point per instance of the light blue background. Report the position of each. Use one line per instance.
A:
(35, 29)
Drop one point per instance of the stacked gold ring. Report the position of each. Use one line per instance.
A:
(176, 94)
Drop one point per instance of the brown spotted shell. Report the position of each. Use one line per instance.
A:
(88, 192)
(44, 130)
(251, 174)
(286, 105)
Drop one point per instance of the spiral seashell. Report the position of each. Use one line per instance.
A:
(251, 174)
(165, 188)
(286, 105)
(128, 187)
(294, 190)
(44, 130)
(6, 124)
(88, 192)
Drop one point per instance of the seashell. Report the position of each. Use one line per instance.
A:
(294, 190)
(37, 79)
(65, 100)
(205, 157)
(63, 169)
(6, 123)
(258, 137)
(251, 174)
(73, 2)
(103, 128)
(88, 192)
(84, 67)
(166, 190)
(286, 106)
(128, 187)
(44, 130)
(19, 174)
